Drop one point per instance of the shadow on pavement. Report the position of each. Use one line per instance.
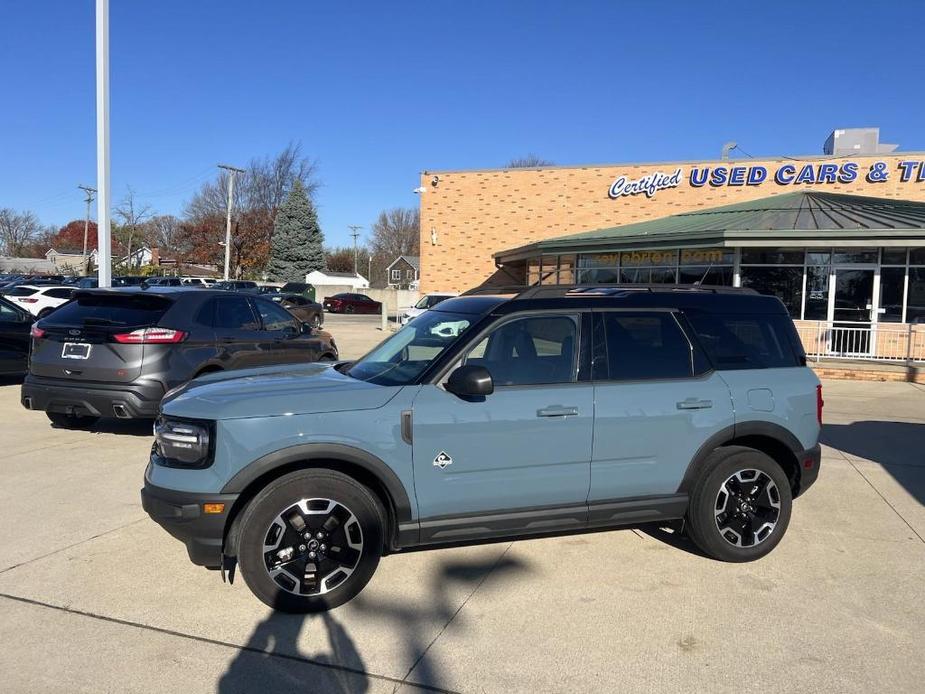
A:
(272, 662)
(413, 622)
(898, 446)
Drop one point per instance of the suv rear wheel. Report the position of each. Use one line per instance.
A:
(71, 421)
(310, 541)
(740, 507)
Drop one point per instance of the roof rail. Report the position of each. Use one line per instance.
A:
(554, 290)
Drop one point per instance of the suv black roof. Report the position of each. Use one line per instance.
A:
(681, 296)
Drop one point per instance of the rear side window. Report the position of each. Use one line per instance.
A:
(645, 346)
(59, 293)
(21, 291)
(234, 313)
(735, 341)
(112, 309)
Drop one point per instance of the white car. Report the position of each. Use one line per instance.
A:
(198, 281)
(427, 301)
(40, 300)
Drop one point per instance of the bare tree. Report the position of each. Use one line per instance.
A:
(531, 161)
(17, 230)
(397, 232)
(258, 193)
(166, 232)
(132, 214)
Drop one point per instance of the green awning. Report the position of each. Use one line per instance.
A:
(801, 217)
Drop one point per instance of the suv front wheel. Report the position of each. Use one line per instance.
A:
(310, 541)
(740, 507)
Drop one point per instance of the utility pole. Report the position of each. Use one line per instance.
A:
(103, 199)
(89, 191)
(231, 172)
(355, 233)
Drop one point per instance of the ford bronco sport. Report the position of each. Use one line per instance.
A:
(554, 410)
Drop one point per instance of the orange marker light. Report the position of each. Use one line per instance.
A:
(213, 508)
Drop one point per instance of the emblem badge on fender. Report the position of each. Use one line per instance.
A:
(442, 460)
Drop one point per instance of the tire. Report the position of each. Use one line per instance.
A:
(277, 516)
(349, 309)
(741, 504)
(44, 313)
(327, 358)
(67, 421)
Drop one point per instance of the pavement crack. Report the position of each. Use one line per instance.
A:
(216, 642)
(497, 562)
(885, 500)
(71, 546)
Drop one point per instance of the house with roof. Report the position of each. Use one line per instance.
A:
(404, 272)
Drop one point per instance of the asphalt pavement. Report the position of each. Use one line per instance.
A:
(95, 597)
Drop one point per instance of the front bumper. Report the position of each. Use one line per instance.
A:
(129, 400)
(181, 514)
(810, 461)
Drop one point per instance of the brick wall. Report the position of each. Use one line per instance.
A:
(477, 213)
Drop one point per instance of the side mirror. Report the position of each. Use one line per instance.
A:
(470, 381)
(291, 331)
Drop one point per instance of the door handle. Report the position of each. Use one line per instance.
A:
(557, 411)
(694, 404)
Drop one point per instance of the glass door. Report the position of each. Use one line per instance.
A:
(852, 311)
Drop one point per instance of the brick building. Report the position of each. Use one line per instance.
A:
(839, 237)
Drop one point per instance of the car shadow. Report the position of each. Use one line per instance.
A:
(272, 661)
(122, 427)
(674, 536)
(899, 447)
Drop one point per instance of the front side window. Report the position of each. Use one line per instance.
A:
(529, 351)
(274, 318)
(645, 346)
(406, 354)
(234, 313)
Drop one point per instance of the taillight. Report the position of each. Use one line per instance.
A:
(819, 403)
(37, 332)
(150, 336)
(28, 301)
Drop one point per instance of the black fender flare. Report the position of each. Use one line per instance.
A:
(327, 451)
(730, 433)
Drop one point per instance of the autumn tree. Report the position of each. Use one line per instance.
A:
(297, 246)
(17, 229)
(70, 237)
(340, 259)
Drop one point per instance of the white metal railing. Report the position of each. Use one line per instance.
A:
(867, 341)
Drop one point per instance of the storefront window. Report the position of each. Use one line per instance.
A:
(817, 291)
(590, 260)
(818, 257)
(892, 280)
(772, 256)
(786, 283)
(566, 269)
(917, 256)
(854, 256)
(894, 256)
(706, 274)
(649, 259)
(915, 310)
(549, 269)
(707, 256)
(599, 276)
(533, 272)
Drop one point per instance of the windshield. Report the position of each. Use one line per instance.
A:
(403, 357)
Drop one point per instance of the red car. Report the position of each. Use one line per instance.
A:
(351, 303)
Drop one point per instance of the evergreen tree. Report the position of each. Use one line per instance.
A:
(297, 246)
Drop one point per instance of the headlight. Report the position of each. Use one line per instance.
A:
(183, 442)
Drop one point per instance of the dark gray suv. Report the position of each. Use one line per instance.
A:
(116, 352)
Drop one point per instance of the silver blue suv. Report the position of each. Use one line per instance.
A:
(495, 416)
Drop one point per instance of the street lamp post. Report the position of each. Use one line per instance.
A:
(104, 229)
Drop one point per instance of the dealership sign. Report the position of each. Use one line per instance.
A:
(784, 175)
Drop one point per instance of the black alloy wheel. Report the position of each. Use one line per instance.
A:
(740, 506)
(310, 541)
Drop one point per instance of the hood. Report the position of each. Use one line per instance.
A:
(273, 390)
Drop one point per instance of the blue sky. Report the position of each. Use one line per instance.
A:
(378, 91)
